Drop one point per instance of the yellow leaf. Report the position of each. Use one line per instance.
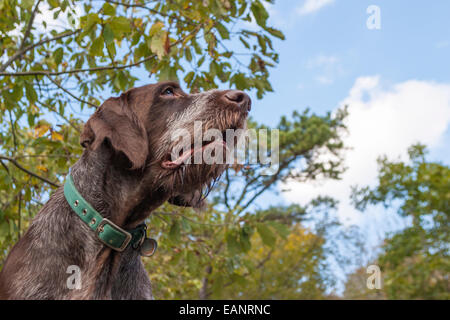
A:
(42, 168)
(57, 136)
(41, 130)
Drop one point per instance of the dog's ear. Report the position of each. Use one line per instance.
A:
(116, 122)
(191, 200)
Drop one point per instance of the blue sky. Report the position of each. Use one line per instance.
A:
(413, 43)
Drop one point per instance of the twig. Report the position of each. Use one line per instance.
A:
(14, 162)
(21, 52)
(103, 68)
(71, 94)
(26, 35)
(51, 108)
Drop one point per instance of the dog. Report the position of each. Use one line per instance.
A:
(126, 171)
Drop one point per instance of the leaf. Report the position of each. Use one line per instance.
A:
(57, 136)
(223, 31)
(156, 28)
(41, 130)
(158, 44)
(244, 238)
(276, 33)
(186, 224)
(266, 234)
(245, 43)
(42, 168)
(191, 261)
(218, 283)
(27, 4)
(96, 48)
(188, 54)
(58, 55)
(174, 233)
(108, 9)
(232, 243)
(281, 229)
(108, 34)
(30, 93)
(260, 13)
(120, 25)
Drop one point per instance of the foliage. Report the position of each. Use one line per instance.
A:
(415, 262)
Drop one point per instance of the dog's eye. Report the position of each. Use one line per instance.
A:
(168, 92)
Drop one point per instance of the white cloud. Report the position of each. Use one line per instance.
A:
(381, 121)
(310, 6)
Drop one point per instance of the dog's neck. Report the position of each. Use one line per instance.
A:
(125, 197)
(122, 196)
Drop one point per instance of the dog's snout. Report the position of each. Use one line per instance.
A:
(240, 98)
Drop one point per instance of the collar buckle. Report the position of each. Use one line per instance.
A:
(100, 229)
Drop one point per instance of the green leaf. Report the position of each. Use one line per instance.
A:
(245, 43)
(232, 243)
(188, 54)
(276, 33)
(200, 62)
(281, 229)
(191, 261)
(96, 48)
(223, 31)
(266, 234)
(58, 55)
(120, 25)
(244, 238)
(108, 9)
(218, 283)
(30, 93)
(27, 4)
(174, 233)
(260, 13)
(186, 224)
(108, 34)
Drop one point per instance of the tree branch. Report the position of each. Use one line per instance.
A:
(24, 40)
(20, 53)
(14, 162)
(103, 68)
(71, 94)
(143, 6)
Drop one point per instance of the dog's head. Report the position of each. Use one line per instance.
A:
(160, 131)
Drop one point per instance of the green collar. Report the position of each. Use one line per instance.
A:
(107, 232)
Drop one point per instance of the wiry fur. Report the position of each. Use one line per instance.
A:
(121, 176)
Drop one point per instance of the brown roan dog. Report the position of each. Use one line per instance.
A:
(125, 173)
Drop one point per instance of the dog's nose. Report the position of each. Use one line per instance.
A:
(240, 98)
